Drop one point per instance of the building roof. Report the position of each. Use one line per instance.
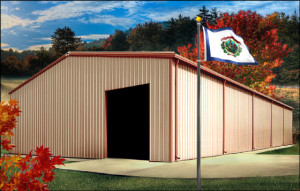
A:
(169, 55)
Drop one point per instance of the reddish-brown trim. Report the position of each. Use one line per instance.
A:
(292, 127)
(105, 124)
(224, 117)
(171, 110)
(153, 55)
(271, 123)
(125, 54)
(253, 121)
(176, 111)
(283, 127)
(39, 73)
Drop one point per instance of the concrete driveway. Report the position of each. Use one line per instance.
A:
(247, 164)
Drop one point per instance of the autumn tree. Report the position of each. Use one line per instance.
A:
(27, 173)
(64, 40)
(107, 44)
(260, 35)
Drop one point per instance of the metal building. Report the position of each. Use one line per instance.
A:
(142, 105)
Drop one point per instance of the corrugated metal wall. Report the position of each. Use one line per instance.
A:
(64, 108)
(211, 114)
(238, 120)
(277, 125)
(288, 127)
(262, 123)
(187, 83)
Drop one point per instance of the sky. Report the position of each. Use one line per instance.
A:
(28, 25)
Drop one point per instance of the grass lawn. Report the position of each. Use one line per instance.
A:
(294, 150)
(72, 180)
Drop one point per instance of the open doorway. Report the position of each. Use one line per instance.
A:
(128, 122)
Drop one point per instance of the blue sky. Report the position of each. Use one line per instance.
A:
(30, 24)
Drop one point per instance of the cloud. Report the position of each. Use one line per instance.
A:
(15, 2)
(37, 47)
(79, 8)
(46, 38)
(12, 32)
(17, 8)
(11, 21)
(94, 36)
(111, 20)
(51, 2)
(4, 45)
(165, 16)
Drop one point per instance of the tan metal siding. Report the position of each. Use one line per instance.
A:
(238, 120)
(288, 127)
(211, 114)
(277, 125)
(64, 108)
(262, 123)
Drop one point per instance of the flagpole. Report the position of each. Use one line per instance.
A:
(198, 108)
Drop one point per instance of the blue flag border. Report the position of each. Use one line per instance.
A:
(210, 58)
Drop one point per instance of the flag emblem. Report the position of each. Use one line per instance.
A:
(231, 46)
(224, 45)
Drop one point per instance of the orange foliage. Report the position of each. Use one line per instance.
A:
(29, 169)
(260, 35)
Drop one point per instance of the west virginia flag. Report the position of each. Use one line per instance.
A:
(225, 46)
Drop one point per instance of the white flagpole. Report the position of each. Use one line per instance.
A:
(198, 108)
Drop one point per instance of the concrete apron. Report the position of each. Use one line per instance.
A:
(247, 164)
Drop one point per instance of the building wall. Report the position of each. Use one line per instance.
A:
(238, 120)
(262, 123)
(288, 127)
(211, 114)
(277, 125)
(64, 108)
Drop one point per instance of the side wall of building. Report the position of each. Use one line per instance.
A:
(64, 107)
(211, 118)
(232, 119)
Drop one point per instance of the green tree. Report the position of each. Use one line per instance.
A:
(205, 15)
(41, 59)
(179, 31)
(64, 40)
(146, 36)
(119, 41)
(288, 33)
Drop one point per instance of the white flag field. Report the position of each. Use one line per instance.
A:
(225, 46)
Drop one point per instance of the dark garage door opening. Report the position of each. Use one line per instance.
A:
(128, 123)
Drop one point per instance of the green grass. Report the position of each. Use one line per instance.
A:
(72, 180)
(66, 162)
(294, 150)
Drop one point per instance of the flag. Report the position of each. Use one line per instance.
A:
(225, 46)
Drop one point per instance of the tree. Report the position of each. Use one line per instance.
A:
(288, 32)
(107, 44)
(260, 35)
(179, 32)
(146, 36)
(41, 59)
(64, 40)
(119, 41)
(205, 16)
(27, 173)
